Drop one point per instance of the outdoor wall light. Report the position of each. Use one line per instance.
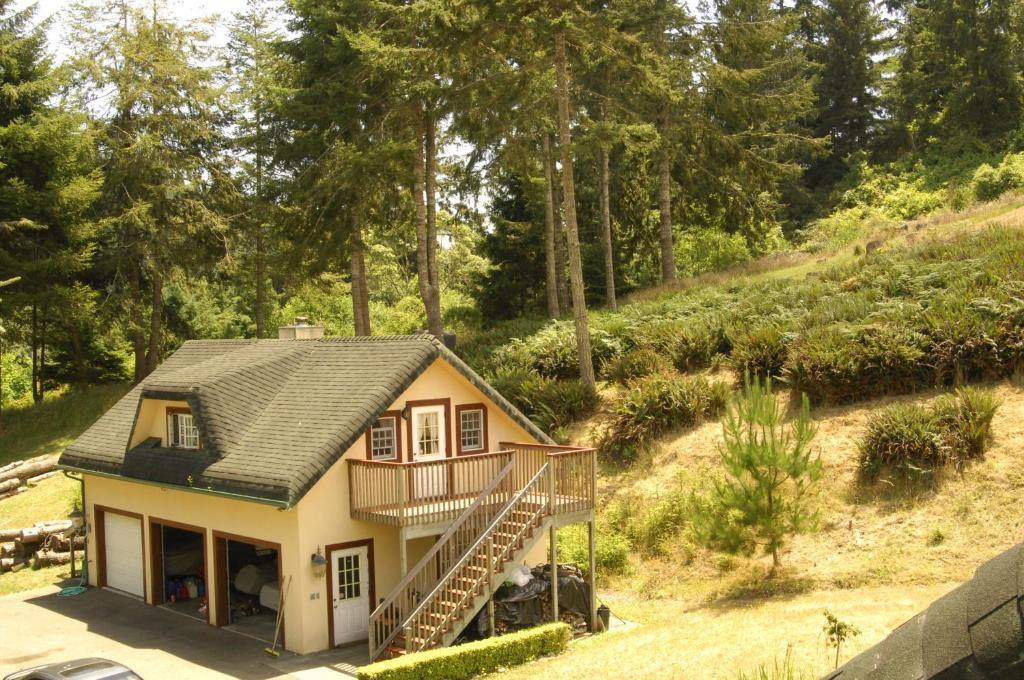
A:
(318, 562)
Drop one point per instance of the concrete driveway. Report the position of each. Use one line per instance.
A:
(39, 627)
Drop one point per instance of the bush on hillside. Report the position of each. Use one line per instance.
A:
(549, 403)
(637, 363)
(702, 250)
(551, 351)
(1010, 336)
(611, 554)
(656, 404)
(841, 363)
(839, 229)
(696, 346)
(760, 351)
(992, 182)
(962, 343)
(913, 441)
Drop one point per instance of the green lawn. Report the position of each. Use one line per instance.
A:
(32, 579)
(52, 498)
(30, 431)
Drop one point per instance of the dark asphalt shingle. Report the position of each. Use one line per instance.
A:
(275, 415)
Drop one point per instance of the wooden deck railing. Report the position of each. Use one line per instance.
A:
(427, 492)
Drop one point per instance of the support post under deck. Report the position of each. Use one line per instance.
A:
(592, 572)
(403, 558)
(553, 540)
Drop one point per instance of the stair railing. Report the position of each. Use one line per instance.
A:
(465, 580)
(387, 620)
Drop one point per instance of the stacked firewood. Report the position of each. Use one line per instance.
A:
(41, 545)
(18, 476)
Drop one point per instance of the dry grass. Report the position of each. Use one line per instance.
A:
(882, 553)
(878, 535)
(53, 498)
(720, 641)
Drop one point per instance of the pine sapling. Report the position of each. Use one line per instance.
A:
(769, 471)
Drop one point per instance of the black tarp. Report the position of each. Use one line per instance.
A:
(518, 607)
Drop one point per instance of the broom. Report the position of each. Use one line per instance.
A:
(272, 650)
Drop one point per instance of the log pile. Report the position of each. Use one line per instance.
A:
(18, 476)
(41, 545)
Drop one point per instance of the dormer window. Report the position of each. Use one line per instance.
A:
(182, 432)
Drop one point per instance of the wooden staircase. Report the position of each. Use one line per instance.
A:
(446, 589)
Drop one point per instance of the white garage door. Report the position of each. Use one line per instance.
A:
(123, 538)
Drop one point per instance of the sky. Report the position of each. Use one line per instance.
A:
(181, 9)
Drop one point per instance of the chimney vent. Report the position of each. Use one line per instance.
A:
(300, 330)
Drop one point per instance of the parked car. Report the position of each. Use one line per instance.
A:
(79, 669)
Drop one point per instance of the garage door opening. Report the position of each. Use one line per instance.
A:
(179, 568)
(249, 583)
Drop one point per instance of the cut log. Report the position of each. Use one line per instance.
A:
(9, 534)
(7, 549)
(61, 543)
(11, 466)
(32, 481)
(11, 563)
(29, 469)
(9, 485)
(30, 535)
(48, 558)
(54, 526)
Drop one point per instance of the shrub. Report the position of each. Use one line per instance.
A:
(1010, 336)
(473, 658)
(991, 183)
(611, 552)
(547, 402)
(967, 418)
(842, 363)
(636, 363)
(551, 351)
(760, 351)
(962, 343)
(709, 250)
(696, 346)
(905, 438)
(835, 231)
(914, 441)
(654, 405)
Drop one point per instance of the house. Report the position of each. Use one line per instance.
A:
(377, 486)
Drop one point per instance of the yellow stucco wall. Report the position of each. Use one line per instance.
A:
(152, 420)
(320, 519)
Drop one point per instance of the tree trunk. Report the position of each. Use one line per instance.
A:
(550, 258)
(42, 355)
(156, 322)
(561, 284)
(428, 292)
(36, 397)
(261, 275)
(137, 333)
(668, 258)
(360, 289)
(606, 233)
(579, 304)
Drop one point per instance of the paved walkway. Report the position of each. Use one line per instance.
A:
(38, 627)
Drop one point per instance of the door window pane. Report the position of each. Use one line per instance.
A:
(428, 433)
(349, 579)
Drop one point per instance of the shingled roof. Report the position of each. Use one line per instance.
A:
(275, 414)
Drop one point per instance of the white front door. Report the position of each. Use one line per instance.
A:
(122, 558)
(351, 594)
(429, 443)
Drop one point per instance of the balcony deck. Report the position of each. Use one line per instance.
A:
(427, 494)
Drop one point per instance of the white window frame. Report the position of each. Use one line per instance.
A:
(479, 429)
(394, 438)
(442, 446)
(176, 426)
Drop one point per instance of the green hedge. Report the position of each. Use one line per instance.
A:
(473, 658)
